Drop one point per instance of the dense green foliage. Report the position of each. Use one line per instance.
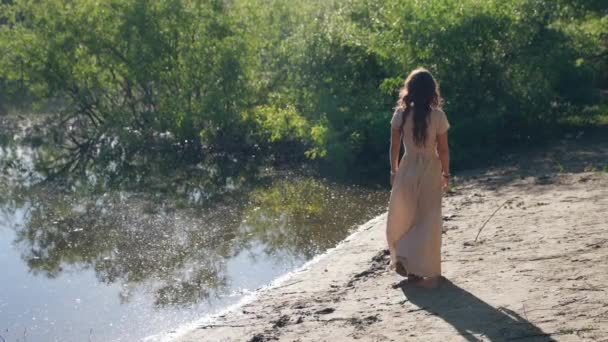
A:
(218, 78)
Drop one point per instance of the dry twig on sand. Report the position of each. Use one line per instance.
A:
(489, 218)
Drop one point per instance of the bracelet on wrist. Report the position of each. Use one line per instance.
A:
(445, 175)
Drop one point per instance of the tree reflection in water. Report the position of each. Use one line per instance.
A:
(178, 252)
(303, 216)
(177, 246)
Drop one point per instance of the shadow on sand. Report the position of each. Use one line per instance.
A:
(474, 319)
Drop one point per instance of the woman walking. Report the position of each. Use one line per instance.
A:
(414, 214)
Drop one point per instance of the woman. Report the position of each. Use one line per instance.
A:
(414, 214)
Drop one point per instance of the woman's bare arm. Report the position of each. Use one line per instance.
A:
(394, 152)
(444, 156)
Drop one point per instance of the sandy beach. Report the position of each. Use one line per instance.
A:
(537, 272)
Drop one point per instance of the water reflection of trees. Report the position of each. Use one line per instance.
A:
(177, 242)
(178, 253)
(303, 216)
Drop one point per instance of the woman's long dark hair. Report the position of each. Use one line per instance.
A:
(421, 93)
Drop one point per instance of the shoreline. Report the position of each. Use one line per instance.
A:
(361, 244)
(279, 282)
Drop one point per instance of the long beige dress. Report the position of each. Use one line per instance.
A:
(414, 214)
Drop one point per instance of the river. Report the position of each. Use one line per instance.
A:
(83, 263)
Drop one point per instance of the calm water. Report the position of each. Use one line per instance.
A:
(89, 265)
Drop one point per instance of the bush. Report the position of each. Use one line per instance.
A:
(215, 77)
(131, 70)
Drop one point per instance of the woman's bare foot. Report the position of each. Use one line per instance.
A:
(428, 283)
